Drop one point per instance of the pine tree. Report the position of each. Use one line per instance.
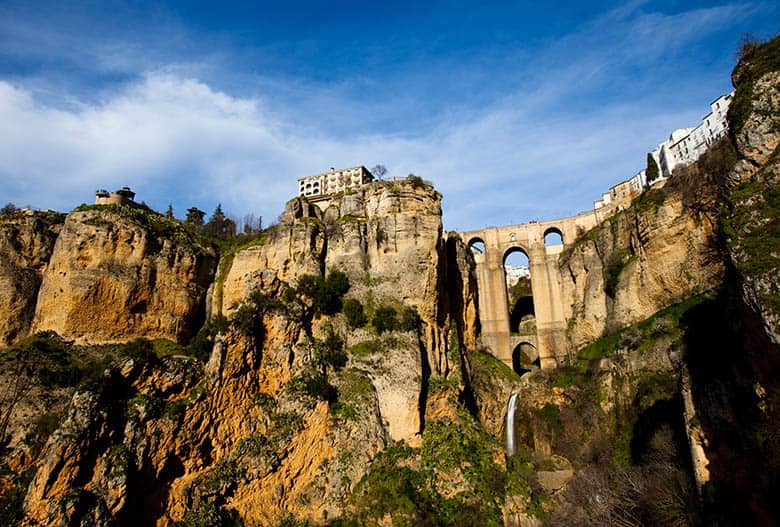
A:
(652, 172)
(169, 212)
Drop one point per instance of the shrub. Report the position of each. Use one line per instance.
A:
(353, 313)
(631, 338)
(416, 181)
(141, 350)
(385, 319)
(201, 345)
(312, 385)
(324, 294)
(410, 320)
(330, 351)
(662, 326)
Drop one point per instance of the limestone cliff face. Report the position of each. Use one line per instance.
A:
(753, 219)
(26, 243)
(656, 253)
(388, 239)
(113, 278)
(159, 442)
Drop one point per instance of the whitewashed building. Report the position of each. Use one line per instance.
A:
(333, 182)
(686, 145)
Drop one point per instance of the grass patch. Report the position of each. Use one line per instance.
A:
(492, 366)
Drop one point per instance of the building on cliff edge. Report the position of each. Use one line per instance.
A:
(684, 146)
(320, 187)
(123, 196)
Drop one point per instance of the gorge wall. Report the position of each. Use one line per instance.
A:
(330, 372)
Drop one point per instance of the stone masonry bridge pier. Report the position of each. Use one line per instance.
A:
(550, 308)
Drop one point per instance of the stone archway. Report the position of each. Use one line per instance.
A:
(525, 357)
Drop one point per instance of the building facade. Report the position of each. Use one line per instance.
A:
(335, 181)
(683, 147)
(123, 196)
(686, 145)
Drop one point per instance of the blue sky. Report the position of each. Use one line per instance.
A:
(516, 111)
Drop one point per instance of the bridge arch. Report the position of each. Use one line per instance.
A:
(525, 358)
(521, 313)
(514, 249)
(476, 244)
(553, 236)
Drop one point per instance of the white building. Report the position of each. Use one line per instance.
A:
(622, 194)
(333, 182)
(686, 145)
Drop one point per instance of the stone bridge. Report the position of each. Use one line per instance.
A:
(551, 311)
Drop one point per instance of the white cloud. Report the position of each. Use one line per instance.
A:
(535, 153)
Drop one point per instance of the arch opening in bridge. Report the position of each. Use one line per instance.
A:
(525, 358)
(517, 273)
(553, 236)
(477, 246)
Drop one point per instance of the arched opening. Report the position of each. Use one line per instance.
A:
(525, 358)
(553, 236)
(517, 272)
(477, 246)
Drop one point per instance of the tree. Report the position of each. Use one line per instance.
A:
(169, 212)
(379, 171)
(219, 225)
(353, 313)
(652, 172)
(252, 224)
(384, 319)
(8, 208)
(195, 216)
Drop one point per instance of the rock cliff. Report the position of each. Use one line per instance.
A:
(117, 273)
(295, 401)
(658, 252)
(338, 378)
(26, 243)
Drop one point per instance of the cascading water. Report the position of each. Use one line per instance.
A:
(510, 425)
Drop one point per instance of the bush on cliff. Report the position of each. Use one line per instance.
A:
(354, 313)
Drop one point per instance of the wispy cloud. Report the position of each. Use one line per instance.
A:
(562, 124)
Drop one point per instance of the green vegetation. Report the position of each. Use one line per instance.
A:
(289, 520)
(353, 313)
(492, 366)
(202, 343)
(183, 234)
(650, 200)
(385, 319)
(418, 183)
(753, 232)
(666, 323)
(756, 60)
(315, 295)
(247, 318)
(613, 269)
(652, 171)
(551, 414)
(366, 348)
(355, 393)
(210, 515)
(408, 486)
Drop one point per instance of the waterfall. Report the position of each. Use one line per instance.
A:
(510, 425)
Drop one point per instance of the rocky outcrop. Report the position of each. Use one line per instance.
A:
(753, 219)
(654, 254)
(118, 273)
(253, 434)
(387, 238)
(26, 243)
